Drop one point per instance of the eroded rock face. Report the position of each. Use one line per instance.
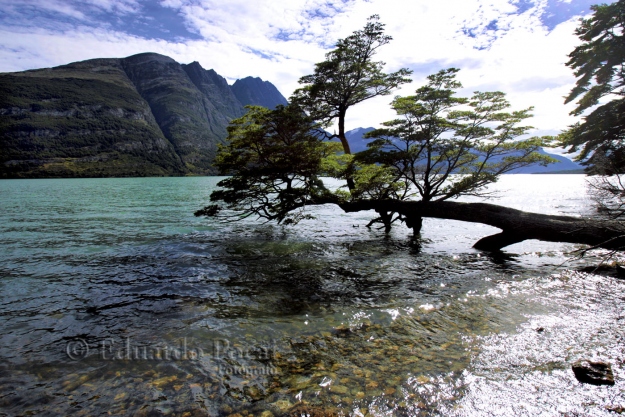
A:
(254, 91)
(595, 373)
(178, 107)
(137, 116)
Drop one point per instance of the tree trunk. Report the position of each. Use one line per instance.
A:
(415, 223)
(516, 225)
(350, 181)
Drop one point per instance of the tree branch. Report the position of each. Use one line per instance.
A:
(516, 225)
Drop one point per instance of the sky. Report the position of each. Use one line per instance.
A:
(519, 47)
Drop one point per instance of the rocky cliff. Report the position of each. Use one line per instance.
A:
(144, 115)
(254, 91)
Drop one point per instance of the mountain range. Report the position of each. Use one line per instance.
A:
(358, 143)
(144, 115)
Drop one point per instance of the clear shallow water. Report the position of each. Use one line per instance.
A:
(114, 298)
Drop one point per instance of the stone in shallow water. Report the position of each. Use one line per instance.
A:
(311, 411)
(615, 409)
(338, 389)
(254, 393)
(421, 379)
(282, 405)
(596, 373)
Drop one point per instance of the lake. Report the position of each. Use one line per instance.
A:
(116, 299)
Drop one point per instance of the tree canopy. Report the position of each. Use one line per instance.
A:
(347, 77)
(441, 147)
(274, 157)
(599, 65)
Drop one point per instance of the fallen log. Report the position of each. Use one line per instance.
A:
(516, 225)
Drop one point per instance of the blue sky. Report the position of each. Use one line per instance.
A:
(515, 46)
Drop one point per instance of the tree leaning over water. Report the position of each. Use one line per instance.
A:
(440, 147)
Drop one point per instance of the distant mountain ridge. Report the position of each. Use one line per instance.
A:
(254, 91)
(357, 144)
(143, 115)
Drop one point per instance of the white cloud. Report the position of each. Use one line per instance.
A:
(12, 8)
(525, 60)
(120, 6)
(281, 41)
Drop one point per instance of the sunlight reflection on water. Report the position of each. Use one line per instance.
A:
(326, 315)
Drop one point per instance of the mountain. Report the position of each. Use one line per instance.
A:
(254, 91)
(564, 165)
(144, 115)
(355, 138)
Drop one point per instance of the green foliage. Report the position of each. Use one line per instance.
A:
(347, 77)
(443, 146)
(275, 157)
(440, 146)
(598, 61)
(337, 164)
(600, 138)
(599, 64)
(374, 182)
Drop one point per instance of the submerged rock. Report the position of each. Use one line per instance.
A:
(282, 405)
(596, 373)
(303, 410)
(341, 331)
(338, 389)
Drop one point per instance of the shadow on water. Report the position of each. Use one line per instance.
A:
(501, 259)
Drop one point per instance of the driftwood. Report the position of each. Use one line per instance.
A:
(516, 225)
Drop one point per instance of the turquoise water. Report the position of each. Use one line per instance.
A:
(115, 298)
